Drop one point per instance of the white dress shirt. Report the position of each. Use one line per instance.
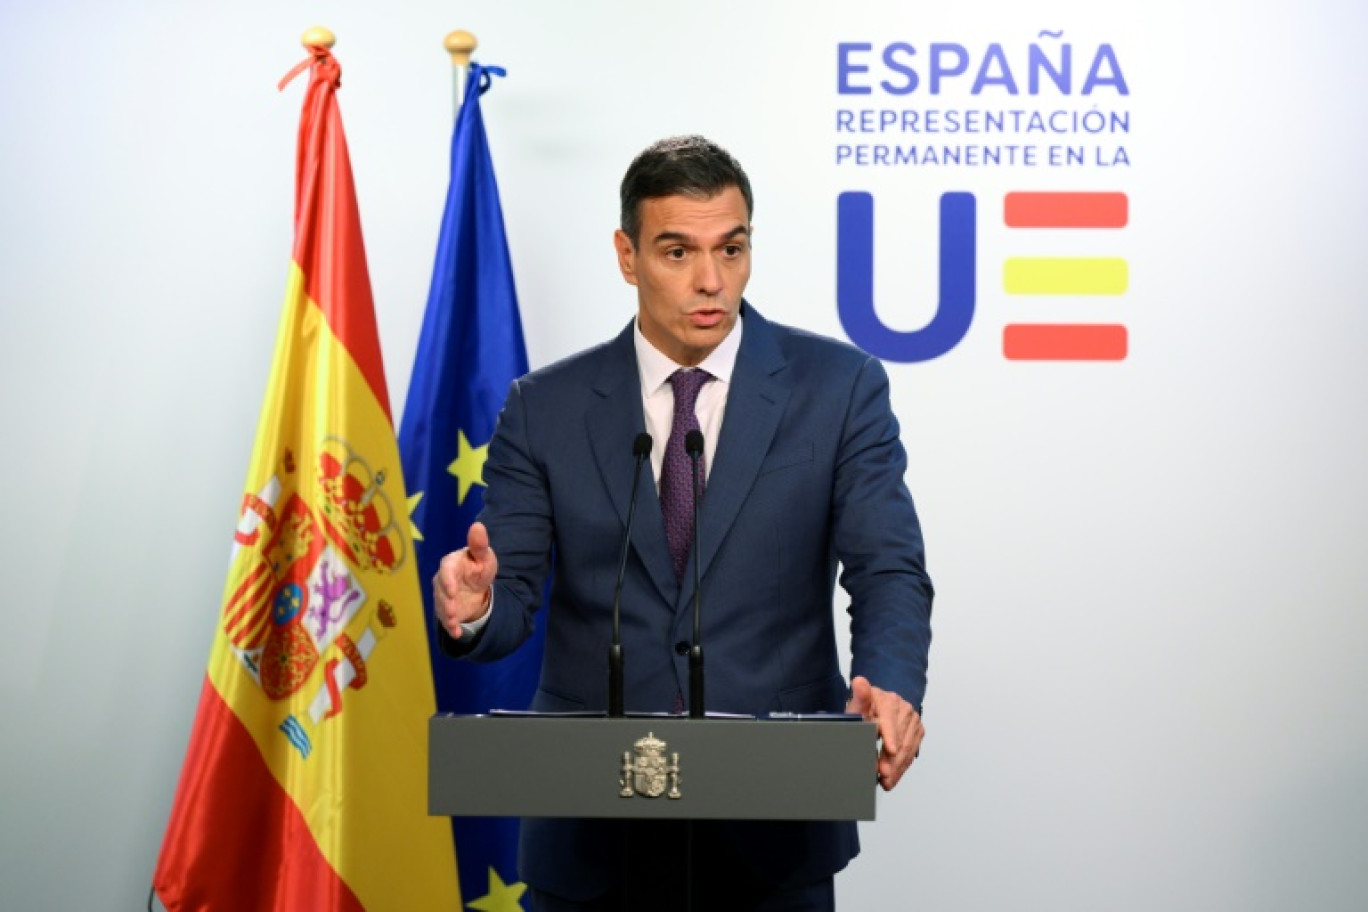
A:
(657, 394)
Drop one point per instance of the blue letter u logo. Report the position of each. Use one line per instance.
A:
(855, 280)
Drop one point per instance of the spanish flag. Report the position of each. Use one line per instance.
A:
(305, 782)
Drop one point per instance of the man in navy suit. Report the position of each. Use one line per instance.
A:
(803, 472)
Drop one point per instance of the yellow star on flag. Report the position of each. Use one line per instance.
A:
(469, 465)
(414, 531)
(501, 897)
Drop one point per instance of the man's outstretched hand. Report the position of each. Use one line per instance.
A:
(900, 728)
(461, 589)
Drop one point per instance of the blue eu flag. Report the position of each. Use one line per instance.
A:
(470, 350)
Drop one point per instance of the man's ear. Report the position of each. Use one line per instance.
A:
(626, 254)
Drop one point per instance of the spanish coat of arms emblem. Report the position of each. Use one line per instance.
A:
(648, 773)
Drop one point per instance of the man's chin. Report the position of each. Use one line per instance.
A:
(710, 337)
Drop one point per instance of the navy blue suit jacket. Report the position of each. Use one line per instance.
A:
(808, 471)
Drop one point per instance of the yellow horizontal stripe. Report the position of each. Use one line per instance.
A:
(1065, 276)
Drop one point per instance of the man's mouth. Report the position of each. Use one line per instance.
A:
(707, 318)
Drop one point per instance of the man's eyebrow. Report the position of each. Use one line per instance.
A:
(678, 237)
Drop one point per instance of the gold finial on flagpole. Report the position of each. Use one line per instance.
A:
(460, 45)
(318, 36)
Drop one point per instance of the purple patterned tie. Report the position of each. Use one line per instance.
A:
(676, 473)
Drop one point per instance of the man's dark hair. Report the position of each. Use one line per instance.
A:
(681, 165)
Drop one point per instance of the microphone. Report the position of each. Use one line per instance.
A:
(641, 448)
(693, 445)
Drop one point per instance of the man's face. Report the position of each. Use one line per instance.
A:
(690, 266)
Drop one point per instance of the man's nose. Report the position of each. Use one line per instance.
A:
(708, 278)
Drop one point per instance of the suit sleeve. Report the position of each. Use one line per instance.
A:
(517, 513)
(878, 540)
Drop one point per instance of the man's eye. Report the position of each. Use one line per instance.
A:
(733, 250)
(675, 253)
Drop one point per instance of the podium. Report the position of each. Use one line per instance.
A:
(658, 767)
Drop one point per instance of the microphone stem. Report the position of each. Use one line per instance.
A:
(696, 710)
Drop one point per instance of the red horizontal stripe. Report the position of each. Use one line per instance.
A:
(1064, 342)
(1065, 210)
(235, 840)
(328, 244)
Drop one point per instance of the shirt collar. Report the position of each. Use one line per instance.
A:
(655, 367)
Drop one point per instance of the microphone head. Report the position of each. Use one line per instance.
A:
(642, 445)
(693, 443)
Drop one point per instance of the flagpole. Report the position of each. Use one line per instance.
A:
(284, 728)
(470, 350)
(460, 45)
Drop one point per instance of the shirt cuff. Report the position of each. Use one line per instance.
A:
(471, 628)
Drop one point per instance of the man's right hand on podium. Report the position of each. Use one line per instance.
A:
(463, 586)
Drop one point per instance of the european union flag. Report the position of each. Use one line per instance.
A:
(470, 350)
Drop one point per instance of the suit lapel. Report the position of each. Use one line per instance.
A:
(613, 423)
(755, 405)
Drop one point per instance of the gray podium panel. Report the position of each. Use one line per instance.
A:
(733, 769)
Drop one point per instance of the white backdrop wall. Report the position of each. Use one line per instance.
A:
(1152, 617)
